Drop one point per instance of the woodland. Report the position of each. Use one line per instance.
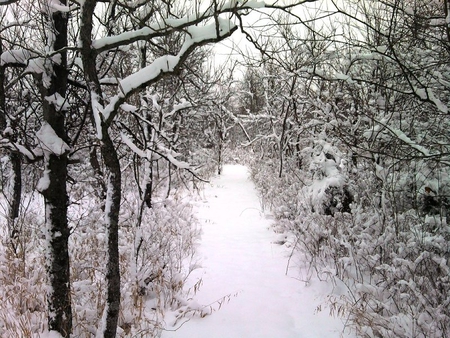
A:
(113, 116)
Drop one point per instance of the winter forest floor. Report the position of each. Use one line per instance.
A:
(245, 270)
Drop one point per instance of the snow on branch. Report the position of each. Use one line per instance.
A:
(180, 106)
(58, 101)
(402, 136)
(97, 111)
(133, 147)
(168, 154)
(169, 25)
(168, 64)
(195, 35)
(55, 6)
(163, 64)
(7, 2)
(50, 142)
(427, 94)
(14, 146)
(124, 38)
(397, 133)
(16, 57)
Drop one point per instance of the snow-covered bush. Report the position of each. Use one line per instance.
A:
(326, 184)
(355, 163)
(376, 223)
(321, 183)
(394, 260)
(155, 259)
(22, 275)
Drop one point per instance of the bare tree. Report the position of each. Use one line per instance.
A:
(79, 59)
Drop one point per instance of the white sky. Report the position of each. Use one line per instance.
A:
(237, 43)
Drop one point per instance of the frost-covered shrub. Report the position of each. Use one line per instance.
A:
(320, 184)
(155, 260)
(326, 185)
(390, 251)
(276, 193)
(23, 275)
(165, 246)
(399, 276)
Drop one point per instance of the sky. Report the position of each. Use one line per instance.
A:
(236, 45)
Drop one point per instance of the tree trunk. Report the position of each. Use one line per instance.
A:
(112, 209)
(113, 176)
(55, 192)
(56, 200)
(14, 193)
(15, 198)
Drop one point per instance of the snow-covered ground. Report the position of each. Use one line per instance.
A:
(240, 259)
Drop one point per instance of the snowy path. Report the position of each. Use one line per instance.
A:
(239, 257)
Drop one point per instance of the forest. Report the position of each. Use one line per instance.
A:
(114, 115)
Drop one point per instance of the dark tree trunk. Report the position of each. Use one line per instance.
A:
(15, 180)
(15, 198)
(113, 176)
(55, 193)
(2, 92)
(112, 209)
(56, 200)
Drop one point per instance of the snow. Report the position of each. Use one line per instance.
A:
(128, 108)
(58, 101)
(97, 109)
(170, 156)
(244, 270)
(18, 147)
(344, 77)
(244, 3)
(57, 6)
(132, 146)
(50, 334)
(175, 23)
(15, 56)
(155, 98)
(109, 40)
(167, 63)
(50, 142)
(162, 64)
(35, 66)
(402, 136)
(180, 106)
(428, 94)
(44, 181)
(167, 153)
(255, 4)
(381, 49)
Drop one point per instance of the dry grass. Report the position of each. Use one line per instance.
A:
(152, 281)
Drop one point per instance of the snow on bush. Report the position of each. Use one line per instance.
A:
(155, 258)
(388, 243)
(22, 274)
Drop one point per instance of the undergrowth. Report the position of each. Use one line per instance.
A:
(392, 258)
(156, 257)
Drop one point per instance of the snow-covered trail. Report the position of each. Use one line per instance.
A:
(240, 259)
